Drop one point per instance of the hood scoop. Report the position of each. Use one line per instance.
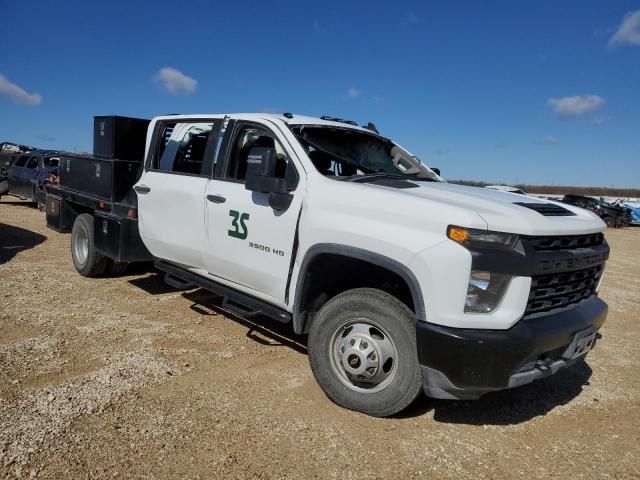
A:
(547, 209)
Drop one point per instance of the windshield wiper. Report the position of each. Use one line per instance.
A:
(382, 174)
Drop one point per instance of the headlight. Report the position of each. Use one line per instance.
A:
(485, 291)
(470, 237)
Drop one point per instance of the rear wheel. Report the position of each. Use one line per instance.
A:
(88, 261)
(362, 350)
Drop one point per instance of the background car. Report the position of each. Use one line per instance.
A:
(29, 172)
(610, 214)
(9, 152)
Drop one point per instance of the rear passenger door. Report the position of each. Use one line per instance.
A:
(172, 187)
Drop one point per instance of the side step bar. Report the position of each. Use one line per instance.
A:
(238, 303)
(177, 282)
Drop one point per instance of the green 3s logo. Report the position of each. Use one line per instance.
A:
(238, 223)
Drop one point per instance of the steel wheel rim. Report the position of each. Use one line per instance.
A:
(363, 356)
(81, 246)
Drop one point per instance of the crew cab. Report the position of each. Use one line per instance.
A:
(403, 282)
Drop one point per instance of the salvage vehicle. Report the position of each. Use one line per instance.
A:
(9, 152)
(27, 174)
(403, 282)
(634, 214)
(612, 216)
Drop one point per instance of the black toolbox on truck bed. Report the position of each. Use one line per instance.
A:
(104, 178)
(102, 185)
(119, 137)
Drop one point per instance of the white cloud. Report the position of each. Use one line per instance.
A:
(18, 94)
(629, 30)
(577, 106)
(176, 82)
(550, 140)
(353, 93)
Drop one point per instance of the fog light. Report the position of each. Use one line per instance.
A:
(485, 291)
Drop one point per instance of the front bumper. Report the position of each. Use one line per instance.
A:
(467, 363)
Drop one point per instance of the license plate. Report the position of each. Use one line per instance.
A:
(582, 342)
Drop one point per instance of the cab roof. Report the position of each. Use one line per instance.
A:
(288, 118)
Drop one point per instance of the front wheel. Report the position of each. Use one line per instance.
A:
(87, 260)
(362, 350)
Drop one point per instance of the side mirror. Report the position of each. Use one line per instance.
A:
(435, 170)
(261, 169)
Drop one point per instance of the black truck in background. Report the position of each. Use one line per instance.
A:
(94, 198)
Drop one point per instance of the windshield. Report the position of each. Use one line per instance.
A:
(348, 153)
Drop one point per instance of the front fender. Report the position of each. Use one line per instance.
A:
(300, 317)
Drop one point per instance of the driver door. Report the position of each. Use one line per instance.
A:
(250, 243)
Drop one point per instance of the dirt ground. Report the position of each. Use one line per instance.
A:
(124, 377)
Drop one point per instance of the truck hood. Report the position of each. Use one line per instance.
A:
(500, 210)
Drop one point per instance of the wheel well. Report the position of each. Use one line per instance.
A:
(329, 274)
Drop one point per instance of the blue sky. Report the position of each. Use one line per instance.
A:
(484, 90)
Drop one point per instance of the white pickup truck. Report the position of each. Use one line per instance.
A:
(403, 282)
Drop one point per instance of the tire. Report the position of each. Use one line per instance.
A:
(88, 262)
(372, 319)
(610, 221)
(117, 268)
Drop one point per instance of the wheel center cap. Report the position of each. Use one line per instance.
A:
(354, 361)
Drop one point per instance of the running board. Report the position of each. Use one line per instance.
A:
(233, 301)
(177, 282)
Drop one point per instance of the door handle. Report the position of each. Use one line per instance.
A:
(142, 189)
(216, 198)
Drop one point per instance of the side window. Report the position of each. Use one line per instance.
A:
(51, 161)
(250, 137)
(181, 147)
(33, 162)
(21, 161)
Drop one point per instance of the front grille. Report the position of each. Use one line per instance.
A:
(566, 242)
(561, 289)
(547, 209)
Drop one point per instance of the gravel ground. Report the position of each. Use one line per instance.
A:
(124, 377)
